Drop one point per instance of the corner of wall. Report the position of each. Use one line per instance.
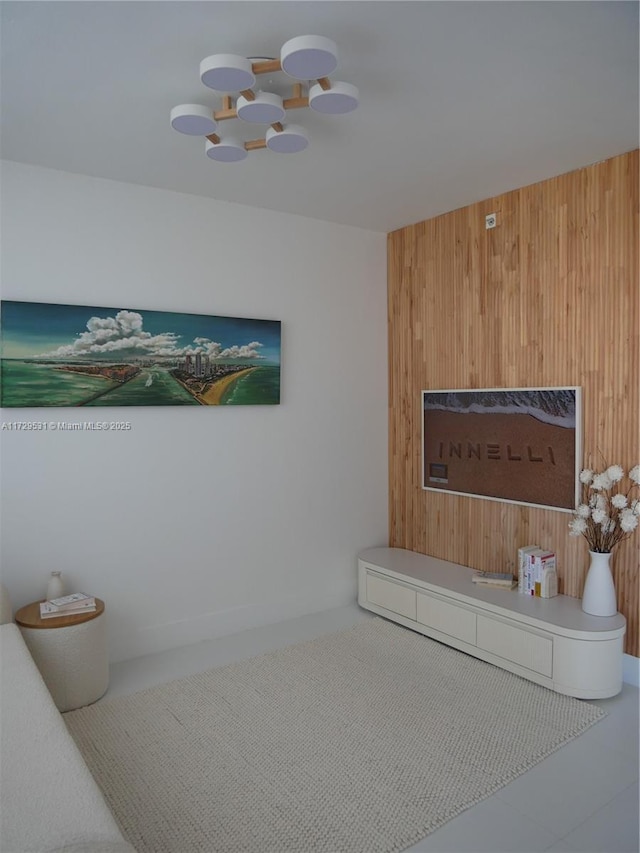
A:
(631, 670)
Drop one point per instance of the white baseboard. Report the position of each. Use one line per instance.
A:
(151, 639)
(631, 670)
(157, 638)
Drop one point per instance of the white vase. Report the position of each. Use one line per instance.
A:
(55, 587)
(599, 594)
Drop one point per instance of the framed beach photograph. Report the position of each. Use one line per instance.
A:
(78, 355)
(518, 445)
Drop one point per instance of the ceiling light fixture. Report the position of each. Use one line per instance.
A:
(266, 108)
(307, 59)
(193, 119)
(229, 150)
(227, 73)
(340, 98)
(289, 140)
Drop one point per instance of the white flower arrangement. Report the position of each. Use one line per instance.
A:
(608, 511)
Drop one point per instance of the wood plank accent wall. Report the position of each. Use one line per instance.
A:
(550, 297)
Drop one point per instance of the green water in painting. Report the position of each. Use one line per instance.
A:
(151, 387)
(260, 387)
(25, 384)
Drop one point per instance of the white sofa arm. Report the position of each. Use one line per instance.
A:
(50, 801)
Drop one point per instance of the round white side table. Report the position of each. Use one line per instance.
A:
(70, 652)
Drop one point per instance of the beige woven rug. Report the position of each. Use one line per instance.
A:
(362, 741)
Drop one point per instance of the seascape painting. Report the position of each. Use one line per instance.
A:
(519, 445)
(76, 355)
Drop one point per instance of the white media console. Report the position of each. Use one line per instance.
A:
(548, 640)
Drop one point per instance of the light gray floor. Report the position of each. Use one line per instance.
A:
(582, 798)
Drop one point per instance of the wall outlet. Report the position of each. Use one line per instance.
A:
(490, 221)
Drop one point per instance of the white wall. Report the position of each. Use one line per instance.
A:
(199, 522)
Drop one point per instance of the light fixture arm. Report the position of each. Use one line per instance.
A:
(254, 144)
(298, 101)
(266, 66)
(228, 110)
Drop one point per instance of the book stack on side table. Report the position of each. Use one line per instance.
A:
(67, 605)
(505, 580)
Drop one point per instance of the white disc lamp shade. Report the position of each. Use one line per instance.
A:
(193, 119)
(340, 98)
(265, 109)
(290, 140)
(229, 150)
(309, 57)
(226, 72)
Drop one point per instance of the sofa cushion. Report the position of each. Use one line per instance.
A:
(49, 798)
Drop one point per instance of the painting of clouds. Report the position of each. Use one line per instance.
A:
(76, 355)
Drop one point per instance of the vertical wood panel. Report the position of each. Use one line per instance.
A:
(549, 297)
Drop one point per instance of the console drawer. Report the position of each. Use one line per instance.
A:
(450, 619)
(517, 644)
(392, 596)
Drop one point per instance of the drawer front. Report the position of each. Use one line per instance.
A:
(448, 618)
(519, 645)
(392, 596)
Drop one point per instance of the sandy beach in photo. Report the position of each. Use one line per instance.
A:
(213, 396)
(520, 457)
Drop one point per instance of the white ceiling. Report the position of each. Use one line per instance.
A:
(459, 100)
